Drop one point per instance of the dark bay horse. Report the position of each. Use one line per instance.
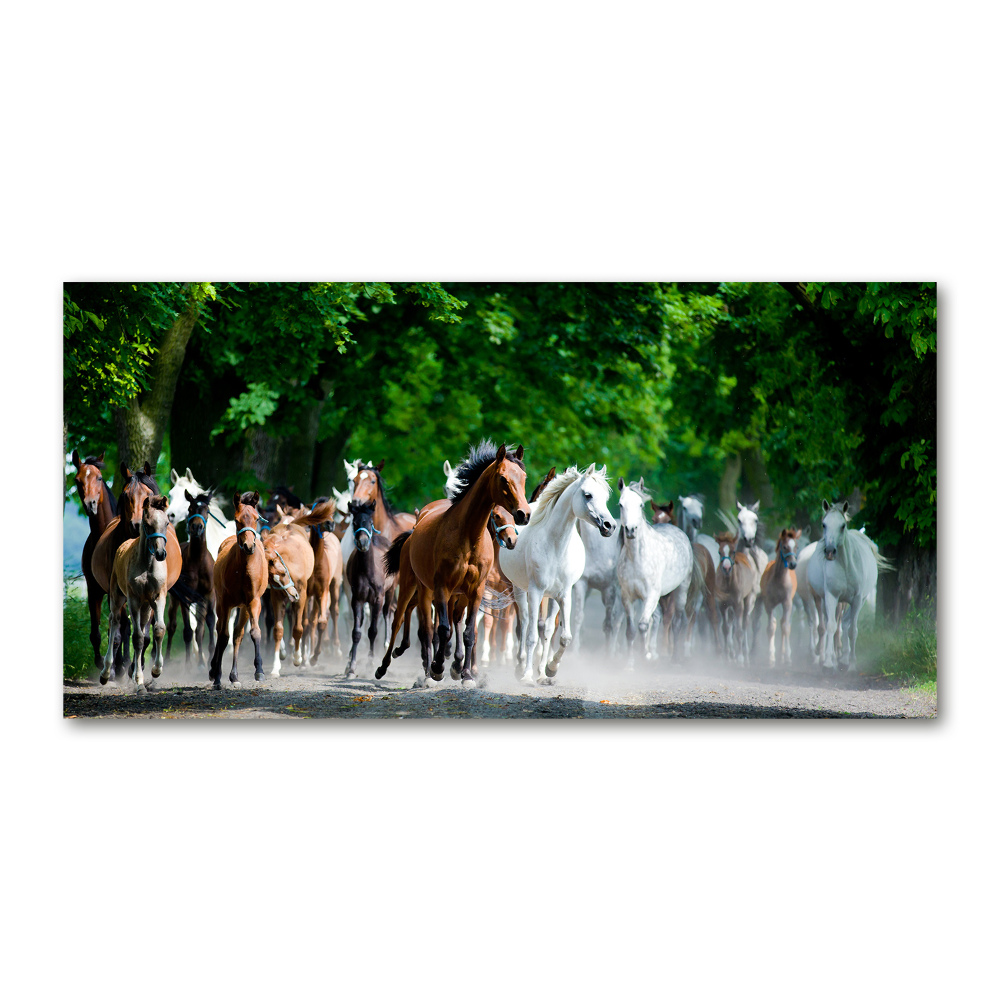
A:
(449, 550)
(197, 573)
(240, 578)
(99, 503)
(368, 579)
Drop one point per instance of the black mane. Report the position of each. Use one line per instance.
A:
(93, 460)
(481, 457)
(287, 497)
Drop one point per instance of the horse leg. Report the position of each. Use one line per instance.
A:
(334, 593)
(425, 631)
(444, 635)
(114, 624)
(648, 606)
(94, 598)
(255, 635)
(376, 605)
(829, 619)
(772, 623)
(521, 603)
(241, 623)
(848, 656)
(358, 612)
(298, 630)
(158, 629)
(407, 588)
(469, 660)
(209, 631)
(141, 613)
(188, 633)
(565, 609)
(786, 631)
(278, 605)
(221, 641)
(321, 622)
(531, 635)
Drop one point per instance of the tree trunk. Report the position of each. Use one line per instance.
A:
(757, 481)
(913, 585)
(142, 425)
(727, 485)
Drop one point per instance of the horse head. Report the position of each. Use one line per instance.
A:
(835, 520)
(246, 517)
(502, 527)
(177, 511)
(631, 502)
(692, 513)
(278, 575)
(663, 513)
(787, 547)
(507, 483)
(727, 550)
(549, 476)
(363, 514)
(748, 518)
(590, 500)
(154, 526)
(138, 484)
(197, 513)
(89, 480)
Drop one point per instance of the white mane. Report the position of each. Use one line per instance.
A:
(558, 485)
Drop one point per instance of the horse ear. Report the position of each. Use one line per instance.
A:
(519, 454)
(145, 503)
(604, 471)
(256, 499)
(621, 484)
(188, 497)
(501, 453)
(173, 477)
(756, 507)
(447, 467)
(378, 468)
(236, 499)
(826, 507)
(798, 533)
(158, 502)
(147, 469)
(76, 459)
(279, 509)
(188, 472)
(682, 499)
(124, 471)
(845, 505)
(739, 506)
(348, 469)
(641, 487)
(590, 469)
(670, 507)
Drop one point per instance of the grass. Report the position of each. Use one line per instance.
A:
(907, 654)
(78, 654)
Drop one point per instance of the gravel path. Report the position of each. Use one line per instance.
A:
(585, 688)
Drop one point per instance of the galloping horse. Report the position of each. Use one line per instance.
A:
(654, 566)
(197, 572)
(370, 584)
(140, 575)
(736, 585)
(847, 572)
(290, 563)
(449, 553)
(777, 589)
(689, 518)
(99, 504)
(240, 579)
(323, 590)
(702, 588)
(137, 485)
(550, 558)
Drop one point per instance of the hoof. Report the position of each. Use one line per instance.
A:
(236, 684)
(156, 671)
(105, 676)
(217, 684)
(551, 671)
(276, 672)
(548, 681)
(380, 671)
(258, 676)
(437, 678)
(468, 682)
(297, 661)
(842, 668)
(420, 682)
(140, 688)
(349, 673)
(455, 674)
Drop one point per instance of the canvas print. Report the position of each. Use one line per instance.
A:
(338, 500)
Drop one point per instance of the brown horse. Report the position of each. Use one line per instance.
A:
(702, 587)
(499, 623)
(777, 588)
(140, 575)
(99, 503)
(240, 578)
(137, 485)
(449, 550)
(735, 588)
(197, 573)
(290, 565)
(324, 583)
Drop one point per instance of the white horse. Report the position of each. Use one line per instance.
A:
(216, 527)
(452, 483)
(598, 574)
(847, 571)
(689, 519)
(550, 557)
(651, 564)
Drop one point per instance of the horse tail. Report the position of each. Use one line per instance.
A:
(187, 596)
(391, 559)
(320, 513)
(729, 521)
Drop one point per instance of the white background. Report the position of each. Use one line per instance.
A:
(533, 140)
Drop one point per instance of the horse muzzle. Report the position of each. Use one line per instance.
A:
(628, 532)
(606, 528)
(510, 542)
(522, 516)
(160, 554)
(830, 554)
(90, 506)
(363, 541)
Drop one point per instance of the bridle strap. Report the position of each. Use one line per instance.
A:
(254, 530)
(370, 530)
(497, 528)
(151, 549)
(276, 585)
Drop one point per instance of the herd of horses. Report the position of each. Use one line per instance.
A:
(483, 553)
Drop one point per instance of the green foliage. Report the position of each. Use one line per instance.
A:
(78, 654)
(907, 654)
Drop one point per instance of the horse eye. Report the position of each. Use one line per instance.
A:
(588, 496)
